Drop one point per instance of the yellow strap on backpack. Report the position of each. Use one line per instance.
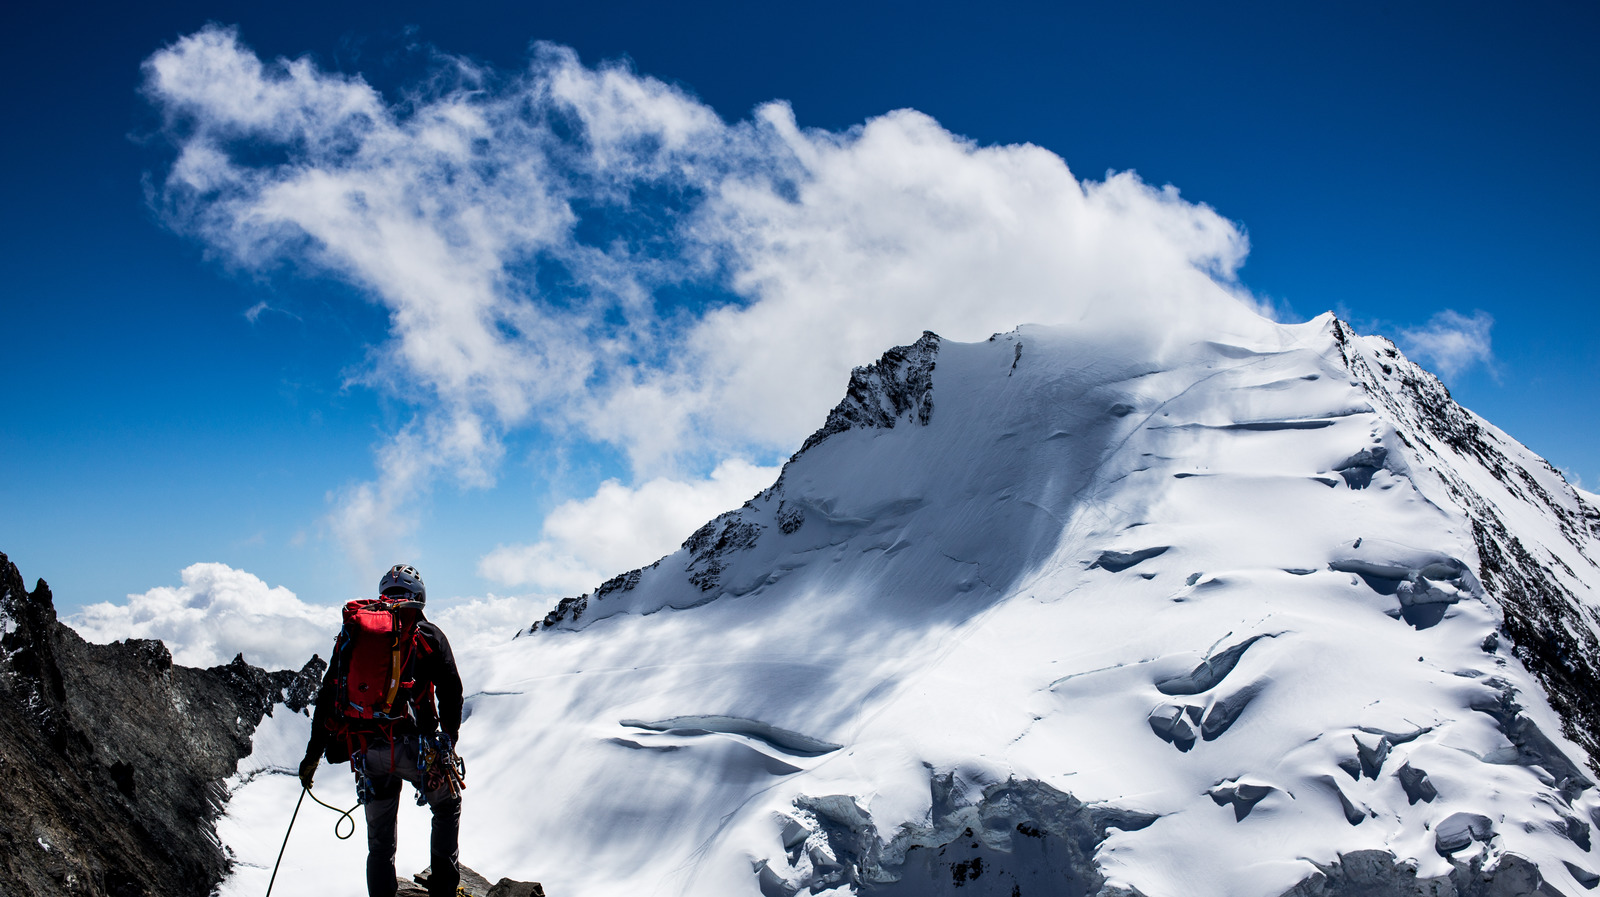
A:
(394, 667)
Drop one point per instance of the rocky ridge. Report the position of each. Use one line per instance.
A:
(113, 758)
(897, 388)
(1549, 629)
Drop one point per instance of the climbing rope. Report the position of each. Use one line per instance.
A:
(344, 816)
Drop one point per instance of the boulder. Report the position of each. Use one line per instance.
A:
(474, 884)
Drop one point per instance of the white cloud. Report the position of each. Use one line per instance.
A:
(219, 612)
(1451, 342)
(216, 613)
(621, 529)
(254, 312)
(900, 227)
(525, 234)
(485, 622)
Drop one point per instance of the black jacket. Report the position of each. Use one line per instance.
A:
(437, 666)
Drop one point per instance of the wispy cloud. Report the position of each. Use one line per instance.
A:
(1451, 342)
(254, 312)
(533, 235)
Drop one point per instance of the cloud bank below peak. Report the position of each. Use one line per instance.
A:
(217, 612)
(621, 528)
(594, 254)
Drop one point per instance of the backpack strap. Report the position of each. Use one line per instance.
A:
(403, 655)
(398, 656)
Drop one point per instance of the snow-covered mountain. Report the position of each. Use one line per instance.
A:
(1267, 613)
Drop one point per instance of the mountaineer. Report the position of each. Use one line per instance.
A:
(376, 709)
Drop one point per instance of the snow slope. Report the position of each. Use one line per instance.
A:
(1041, 615)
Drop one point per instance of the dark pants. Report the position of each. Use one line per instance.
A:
(389, 766)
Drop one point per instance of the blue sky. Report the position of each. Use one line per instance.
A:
(176, 396)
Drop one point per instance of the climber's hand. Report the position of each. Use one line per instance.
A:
(308, 770)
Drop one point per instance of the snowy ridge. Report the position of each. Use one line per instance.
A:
(1263, 615)
(1514, 500)
(899, 386)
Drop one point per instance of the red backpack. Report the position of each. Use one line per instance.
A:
(375, 657)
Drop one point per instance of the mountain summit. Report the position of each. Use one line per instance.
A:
(1262, 614)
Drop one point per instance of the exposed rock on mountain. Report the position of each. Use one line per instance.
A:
(112, 758)
(472, 883)
(899, 386)
(896, 388)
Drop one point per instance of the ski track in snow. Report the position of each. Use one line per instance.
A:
(1151, 590)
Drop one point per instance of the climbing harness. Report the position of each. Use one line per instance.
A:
(344, 816)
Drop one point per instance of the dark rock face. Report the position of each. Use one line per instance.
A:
(505, 887)
(474, 884)
(709, 548)
(897, 388)
(898, 385)
(112, 758)
(573, 607)
(1550, 630)
(709, 545)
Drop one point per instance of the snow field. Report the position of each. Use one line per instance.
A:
(946, 610)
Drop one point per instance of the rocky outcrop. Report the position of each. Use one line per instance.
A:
(112, 758)
(710, 545)
(899, 386)
(572, 608)
(471, 882)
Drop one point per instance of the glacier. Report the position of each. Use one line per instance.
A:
(1264, 612)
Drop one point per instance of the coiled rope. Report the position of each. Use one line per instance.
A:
(344, 816)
